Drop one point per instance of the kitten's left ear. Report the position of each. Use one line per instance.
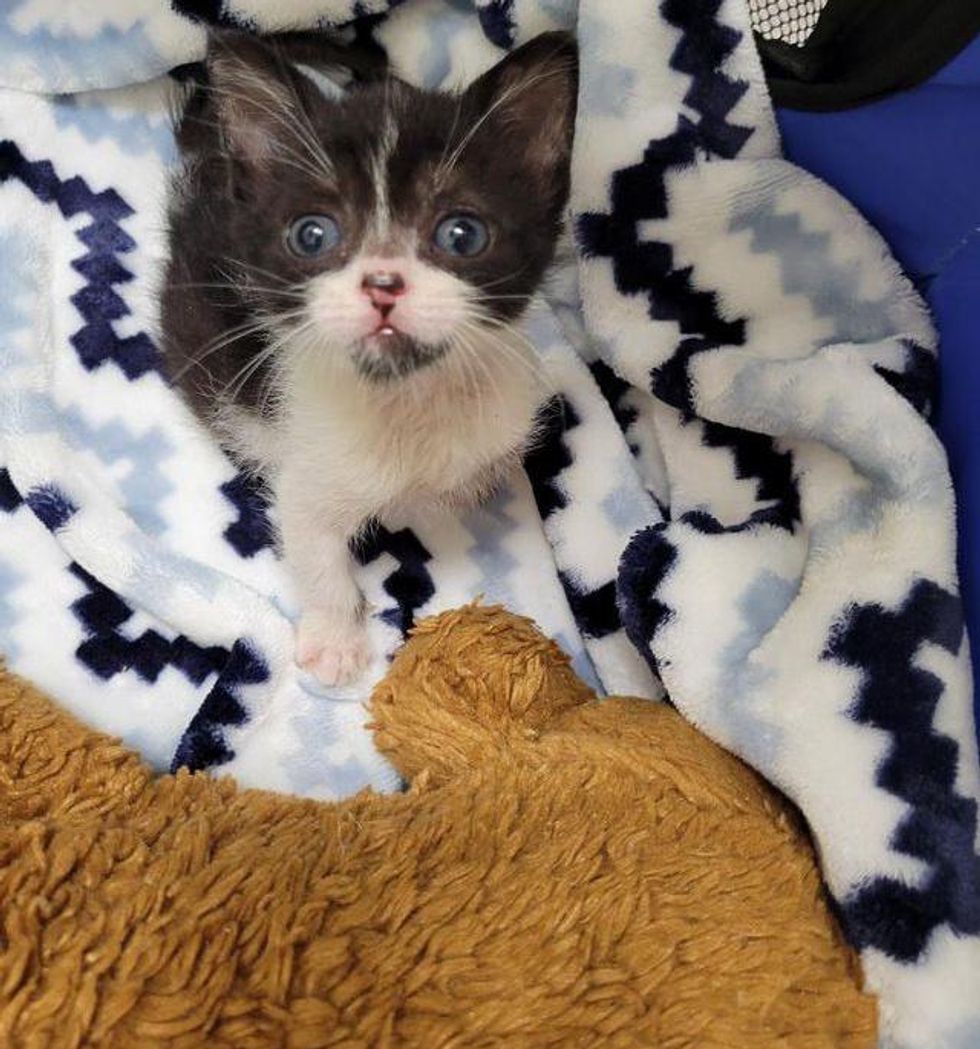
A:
(252, 95)
(529, 100)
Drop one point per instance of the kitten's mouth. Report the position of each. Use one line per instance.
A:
(388, 353)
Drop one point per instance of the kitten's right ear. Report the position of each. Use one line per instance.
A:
(253, 97)
(527, 101)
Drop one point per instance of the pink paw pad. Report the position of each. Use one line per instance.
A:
(333, 650)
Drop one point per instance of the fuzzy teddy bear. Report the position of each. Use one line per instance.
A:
(560, 872)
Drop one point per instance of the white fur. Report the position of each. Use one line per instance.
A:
(345, 449)
(386, 146)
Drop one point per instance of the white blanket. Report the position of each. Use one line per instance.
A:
(738, 499)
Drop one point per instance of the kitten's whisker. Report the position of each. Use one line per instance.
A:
(452, 131)
(251, 327)
(247, 267)
(242, 376)
(487, 373)
(530, 362)
(322, 165)
(270, 387)
(491, 325)
(502, 280)
(216, 345)
(471, 385)
(224, 286)
(270, 274)
(313, 143)
(319, 168)
(298, 161)
(469, 359)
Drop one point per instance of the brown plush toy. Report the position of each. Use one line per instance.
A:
(562, 872)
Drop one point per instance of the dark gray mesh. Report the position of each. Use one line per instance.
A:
(791, 21)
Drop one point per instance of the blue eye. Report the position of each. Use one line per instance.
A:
(463, 235)
(312, 235)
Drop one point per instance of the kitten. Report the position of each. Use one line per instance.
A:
(349, 267)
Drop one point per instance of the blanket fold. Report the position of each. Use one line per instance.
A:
(737, 499)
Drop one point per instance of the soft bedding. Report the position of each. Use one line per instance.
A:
(737, 502)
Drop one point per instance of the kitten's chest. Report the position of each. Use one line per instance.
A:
(435, 440)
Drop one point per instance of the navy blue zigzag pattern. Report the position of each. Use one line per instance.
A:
(410, 584)
(918, 381)
(252, 530)
(51, 506)
(10, 498)
(647, 268)
(99, 304)
(222, 13)
(594, 610)
(900, 697)
(645, 564)
(756, 457)
(497, 21)
(549, 456)
(107, 651)
(204, 745)
(639, 193)
(615, 389)
(704, 46)
(97, 301)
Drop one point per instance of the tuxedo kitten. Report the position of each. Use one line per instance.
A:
(349, 267)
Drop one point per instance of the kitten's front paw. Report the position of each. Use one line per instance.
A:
(335, 650)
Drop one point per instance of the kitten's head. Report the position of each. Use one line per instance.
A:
(388, 225)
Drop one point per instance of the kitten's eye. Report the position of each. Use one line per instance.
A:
(312, 235)
(462, 235)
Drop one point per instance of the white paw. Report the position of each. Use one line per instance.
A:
(335, 650)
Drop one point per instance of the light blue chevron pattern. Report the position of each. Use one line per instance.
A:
(436, 64)
(15, 302)
(808, 268)
(799, 571)
(145, 486)
(133, 131)
(606, 91)
(106, 55)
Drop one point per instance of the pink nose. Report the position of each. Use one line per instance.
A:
(383, 287)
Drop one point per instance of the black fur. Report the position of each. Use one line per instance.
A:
(236, 196)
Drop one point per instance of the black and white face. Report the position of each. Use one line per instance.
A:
(387, 225)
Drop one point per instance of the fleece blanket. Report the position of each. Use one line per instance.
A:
(737, 503)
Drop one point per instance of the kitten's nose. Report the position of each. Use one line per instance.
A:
(383, 287)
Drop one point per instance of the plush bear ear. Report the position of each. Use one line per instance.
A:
(528, 101)
(467, 683)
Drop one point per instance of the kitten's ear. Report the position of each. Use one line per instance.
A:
(529, 99)
(252, 93)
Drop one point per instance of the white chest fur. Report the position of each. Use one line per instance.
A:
(357, 449)
(343, 450)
